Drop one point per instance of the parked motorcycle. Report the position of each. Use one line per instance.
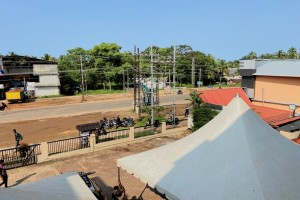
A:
(155, 123)
(128, 121)
(169, 121)
(116, 122)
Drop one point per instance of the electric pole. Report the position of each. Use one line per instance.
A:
(152, 111)
(174, 83)
(134, 80)
(123, 80)
(193, 72)
(170, 79)
(200, 75)
(139, 84)
(127, 80)
(82, 81)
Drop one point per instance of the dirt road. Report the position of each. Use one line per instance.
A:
(41, 130)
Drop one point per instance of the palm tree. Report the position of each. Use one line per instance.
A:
(195, 99)
(292, 53)
(251, 55)
(280, 54)
(48, 57)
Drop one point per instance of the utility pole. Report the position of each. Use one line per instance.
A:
(123, 80)
(127, 80)
(200, 75)
(193, 72)
(85, 82)
(134, 80)
(174, 83)
(139, 84)
(152, 111)
(157, 81)
(82, 81)
(170, 79)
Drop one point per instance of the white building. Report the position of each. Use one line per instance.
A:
(38, 77)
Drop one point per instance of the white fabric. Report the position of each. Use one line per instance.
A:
(68, 186)
(235, 156)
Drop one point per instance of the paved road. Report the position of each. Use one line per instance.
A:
(78, 109)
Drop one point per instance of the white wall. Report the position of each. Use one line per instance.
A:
(45, 69)
(46, 91)
(48, 80)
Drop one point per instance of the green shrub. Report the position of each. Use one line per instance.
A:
(201, 116)
(143, 133)
(121, 137)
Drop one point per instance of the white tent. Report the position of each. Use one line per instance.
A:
(234, 156)
(68, 186)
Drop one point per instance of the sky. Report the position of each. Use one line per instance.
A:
(226, 29)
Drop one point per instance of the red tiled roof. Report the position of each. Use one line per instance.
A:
(223, 96)
(297, 140)
(272, 116)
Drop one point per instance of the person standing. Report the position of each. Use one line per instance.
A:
(187, 111)
(18, 138)
(3, 174)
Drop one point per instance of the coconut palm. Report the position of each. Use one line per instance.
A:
(292, 53)
(195, 99)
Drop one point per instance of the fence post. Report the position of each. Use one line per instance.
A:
(44, 152)
(163, 127)
(92, 142)
(131, 133)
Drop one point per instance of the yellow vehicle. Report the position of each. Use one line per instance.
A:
(15, 95)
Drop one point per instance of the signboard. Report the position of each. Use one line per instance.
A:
(199, 83)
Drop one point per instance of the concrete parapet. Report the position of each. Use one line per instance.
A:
(163, 127)
(44, 156)
(131, 133)
(92, 141)
(44, 152)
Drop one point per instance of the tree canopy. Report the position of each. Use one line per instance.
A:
(105, 65)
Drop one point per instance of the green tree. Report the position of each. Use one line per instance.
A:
(292, 53)
(280, 54)
(251, 55)
(106, 57)
(195, 100)
(69, 68)
(202, 116)
(48, 57)
(267, 56)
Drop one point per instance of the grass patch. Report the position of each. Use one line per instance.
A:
(52, 96)
(143, 133)
(121, 137)
(95, 92)
(143, 120)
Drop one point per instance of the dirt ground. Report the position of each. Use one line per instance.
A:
(36, 131)
(103, 162)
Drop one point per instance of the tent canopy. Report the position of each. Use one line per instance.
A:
(235, 156)
(68, 186)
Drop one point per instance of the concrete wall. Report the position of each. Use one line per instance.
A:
(48, 80)
(44, 156)
(290, 135)
(45, 69)
(46, 91)
(18, 70)
(277, 92)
